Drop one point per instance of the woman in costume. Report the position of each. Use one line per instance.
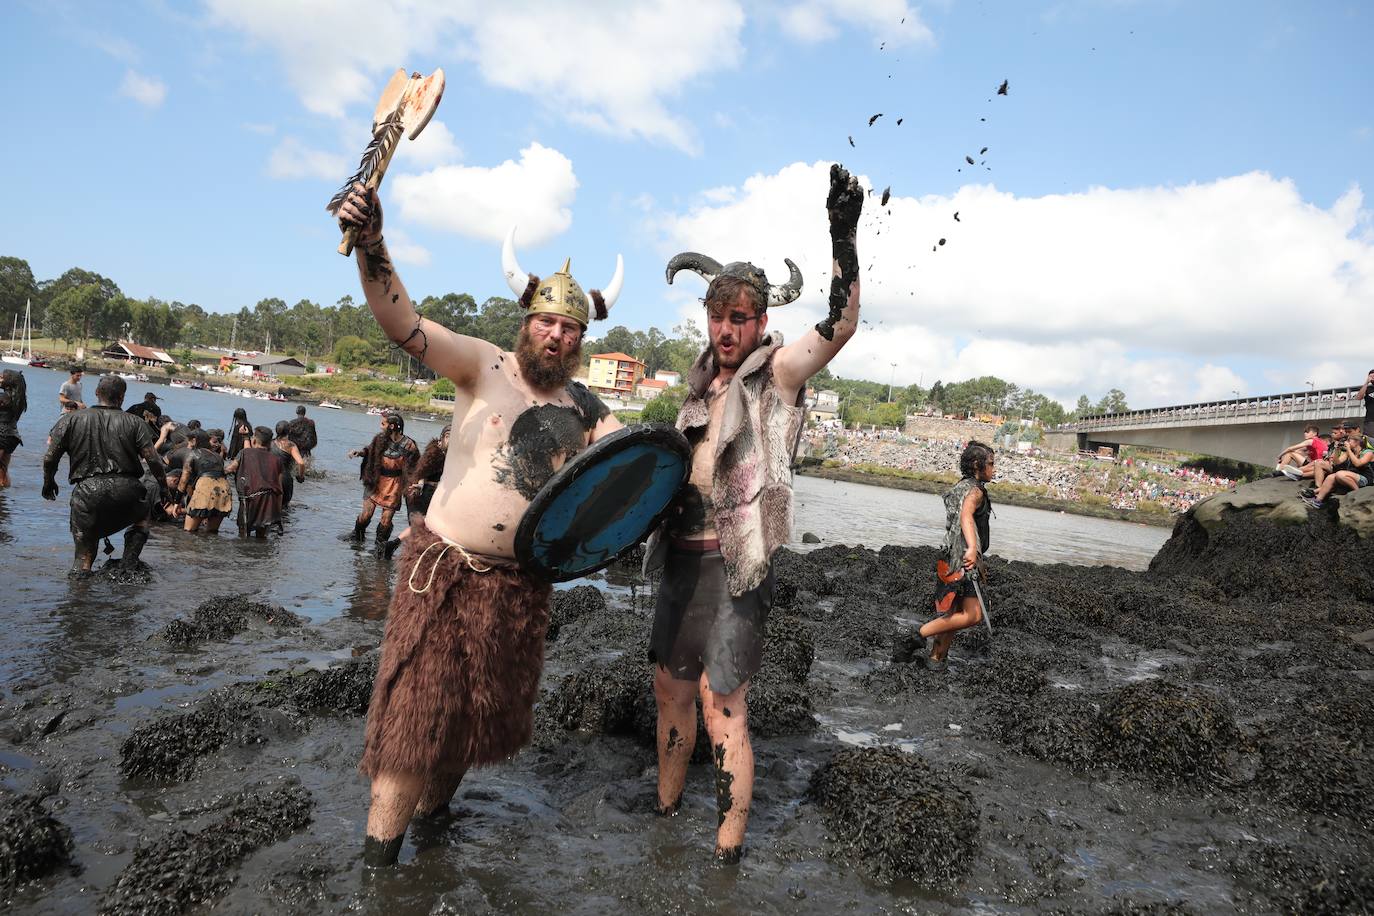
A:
(240, 431)
(387, 459)
(292, 461)
(258, 476)
(967, 535)
(204, 478)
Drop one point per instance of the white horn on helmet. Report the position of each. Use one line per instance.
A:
(612, 290)
(516, 276)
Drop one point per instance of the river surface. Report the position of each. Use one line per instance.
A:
(308, 571)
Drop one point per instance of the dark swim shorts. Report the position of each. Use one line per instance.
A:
(102, 506)
(699, 626)
(9, 443)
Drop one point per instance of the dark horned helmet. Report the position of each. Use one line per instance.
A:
(709, 268)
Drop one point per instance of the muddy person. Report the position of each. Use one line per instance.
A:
(292, 461)
(258, 477)
(303, 433)
(240, 431)
(464, 640)
(205, 483)
(967, 536)
(106, 449)
(387, 459)
(743, 416)
(14, 400)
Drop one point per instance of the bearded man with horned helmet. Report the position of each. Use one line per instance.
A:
(464, 641)
(743, 417)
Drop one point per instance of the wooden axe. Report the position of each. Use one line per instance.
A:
(406, 105)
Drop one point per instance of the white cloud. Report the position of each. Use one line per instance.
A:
(612, 70)
(1151, 290)
(148, 91)
(404, 250)
(888, 21)
(534, 193)
(293, 159)
(434, 146)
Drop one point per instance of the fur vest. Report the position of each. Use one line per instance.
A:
(752, 488)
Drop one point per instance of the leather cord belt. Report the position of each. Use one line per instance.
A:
(696, 546)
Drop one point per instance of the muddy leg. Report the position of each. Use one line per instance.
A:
(192, 523)
(4, 469)
(212, 524)
(364, 519)
(677, 735)
(727, 722)
(437, 794)
(85, 553)
(393, 802)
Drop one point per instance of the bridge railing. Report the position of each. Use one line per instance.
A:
(1313, 404)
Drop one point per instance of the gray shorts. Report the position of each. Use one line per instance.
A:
(699, 626)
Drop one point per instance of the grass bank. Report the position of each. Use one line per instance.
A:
(367, 392)
(1006, 493)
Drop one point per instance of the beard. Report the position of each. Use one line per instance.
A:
(734, 360)
(542, 371)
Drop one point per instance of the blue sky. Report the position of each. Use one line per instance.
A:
(1166, 187)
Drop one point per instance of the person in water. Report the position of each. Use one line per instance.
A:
(743, 417)
(258, 476)
(386, 461)
(14, 401)
(203, 480)
(174, 458)
(69, 396)
(106, 449)
(424, 479)
(292, 462)
(464, 641)
(967, 537)
(240, 431)
(303, 433)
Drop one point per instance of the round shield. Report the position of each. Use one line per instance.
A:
(602, 502)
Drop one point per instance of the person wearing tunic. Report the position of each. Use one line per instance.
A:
(106, 450)
(240, 431)
(292, 462)
(203, 479)
(424, 479)
(386, 461)
(258, 476)
(14, 400)
(302, 432)
(967, 537)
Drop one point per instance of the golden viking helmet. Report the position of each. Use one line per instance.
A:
(559, 294)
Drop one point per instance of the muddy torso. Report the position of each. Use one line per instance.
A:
(9, 417)
(204, 462)
(695, 506)
(102, 441)
(507, 441)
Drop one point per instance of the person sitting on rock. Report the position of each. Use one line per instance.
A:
(1336, 459)
(1358, 469)
(967, 535)
(1299, 462)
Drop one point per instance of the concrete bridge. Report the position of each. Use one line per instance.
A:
(1246, 429)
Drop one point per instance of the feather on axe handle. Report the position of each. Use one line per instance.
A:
(405, 107)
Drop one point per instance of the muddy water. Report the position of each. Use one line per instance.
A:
(565, 827)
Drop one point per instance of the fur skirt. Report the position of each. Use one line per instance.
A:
(210, 498)
(460, 665)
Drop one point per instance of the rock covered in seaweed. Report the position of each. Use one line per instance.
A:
(223, 618)
(184, 869)
(894, 818)
(33, 843)
(573, 603)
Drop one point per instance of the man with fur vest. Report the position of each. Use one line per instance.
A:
(743, 417)
(464, 641)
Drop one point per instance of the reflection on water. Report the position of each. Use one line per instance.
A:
(55, 626)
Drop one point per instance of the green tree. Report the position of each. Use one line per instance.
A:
(351, 352)
(499, 322)
(17, 287)
(1113, 401)
(664, 408)
(444, 386)
(454, 311)
(1083, 408)
(618, 339)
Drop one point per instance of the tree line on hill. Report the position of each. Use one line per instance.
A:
(82, 305)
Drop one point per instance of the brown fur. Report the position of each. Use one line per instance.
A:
(600, 303)
(460, 665)
(430, 465)
(527, 297)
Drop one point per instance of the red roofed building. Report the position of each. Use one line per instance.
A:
(136, 353)
(650, 388)
(614, 374)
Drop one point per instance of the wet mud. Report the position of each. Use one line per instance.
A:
(1189, 739)
(224, 618)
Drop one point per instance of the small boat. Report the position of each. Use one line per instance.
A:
(375, 411)
(278, 398)
(178, 383)
(225, 389)
(132, 376)
(38, 363)
(328, 405)
(429, 419)
(198, 386)
(261, 396)
(21, 343)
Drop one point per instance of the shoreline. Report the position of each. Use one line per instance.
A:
(1008, 498)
